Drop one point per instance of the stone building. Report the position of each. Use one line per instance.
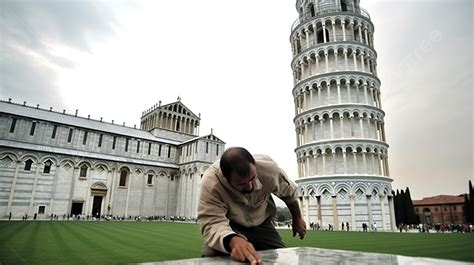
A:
(59, 163)
(341, 150)
(441, 209)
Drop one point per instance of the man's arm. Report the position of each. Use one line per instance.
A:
(299, 225)
(242, 250)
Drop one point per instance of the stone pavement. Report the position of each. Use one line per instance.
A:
(307, 255)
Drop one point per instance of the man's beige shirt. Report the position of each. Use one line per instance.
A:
(219, 202)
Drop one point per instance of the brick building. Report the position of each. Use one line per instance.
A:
(445, 209)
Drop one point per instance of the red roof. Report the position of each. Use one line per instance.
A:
(440, 199)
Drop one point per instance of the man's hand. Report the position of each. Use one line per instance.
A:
(242, 250)
(299, 227)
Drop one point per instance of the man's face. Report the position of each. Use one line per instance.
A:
(244, 184)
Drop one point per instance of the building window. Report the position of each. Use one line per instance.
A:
(454, 208)
(445, 208)
(28, 164)
(169, 151)
(84, 140)
(123, 178)
(47, 167)
(55, 128)
(196, 148)
(207, 148)
(83, 172)
(138, 147)
(100, 140)
(69, 137)
(217, 149)
(126, 144)
(114, 142)
(149, 148)
(416, 209)
(41, 209)
(150, 180)
(159, 150)
(12, 126)
(33, 127)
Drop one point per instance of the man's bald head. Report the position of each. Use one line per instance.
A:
(236, 160)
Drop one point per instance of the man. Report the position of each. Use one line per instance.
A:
(236, 208)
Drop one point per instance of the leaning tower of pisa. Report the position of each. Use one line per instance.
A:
(339, 122)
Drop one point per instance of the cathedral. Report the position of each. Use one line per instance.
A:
(57, 163)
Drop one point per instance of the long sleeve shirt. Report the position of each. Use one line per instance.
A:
(219, 202)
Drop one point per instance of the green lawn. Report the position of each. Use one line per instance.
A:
(132, 242)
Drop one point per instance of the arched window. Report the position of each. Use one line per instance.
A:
(123, 178)
(47, 167)
(311, 10)
(343, 5)
(28, 164)
(150, 179)
(83, 172)
(321, 37)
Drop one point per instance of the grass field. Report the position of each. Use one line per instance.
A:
(132, 242)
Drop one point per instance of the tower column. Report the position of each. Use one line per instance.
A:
(324, 33)
(343, 25)
(355, 60)
(369, 206)
(382, 207)
(354, 156)
(315, 34)
(341, 120)
(366, 37)
(307, 38)
(345, 59)
(326, 61)
(334, 30)
(339, 93)
(306, 206)
(319, 96)
(392, 213)
(324, 163)
(353, 212)
(351, 24)
(331, 127)
(317, 64)
(344, 159)
(334, 213)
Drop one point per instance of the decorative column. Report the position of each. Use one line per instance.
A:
(353, 211)
(382, 207)
(12, 190)
(335, 219)
(33, 193)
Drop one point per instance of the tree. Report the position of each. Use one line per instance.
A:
(282, 214)
(471, 202)
(467, 209)
(410, 210)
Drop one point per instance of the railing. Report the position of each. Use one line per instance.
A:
(307, 15)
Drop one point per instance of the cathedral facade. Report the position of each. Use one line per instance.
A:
(342, 154)
(58, 163)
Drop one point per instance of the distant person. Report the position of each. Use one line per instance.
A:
(347, 226)
(342, 226)
(10, 216)
(236, 207)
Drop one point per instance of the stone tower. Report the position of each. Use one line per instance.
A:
(339, 122)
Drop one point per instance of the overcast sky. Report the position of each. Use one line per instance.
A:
(230, 61)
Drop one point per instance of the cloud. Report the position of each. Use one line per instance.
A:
(31, 34)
